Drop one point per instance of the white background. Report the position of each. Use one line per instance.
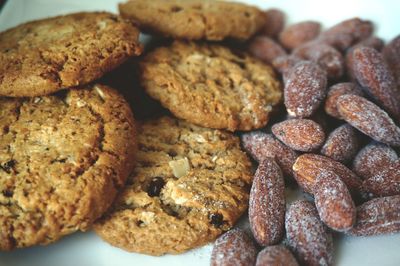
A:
(87, 249)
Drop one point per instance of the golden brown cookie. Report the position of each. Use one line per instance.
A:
(211, 85)
(44, 56)
(190, 184)
(195, 19)
(62, 159)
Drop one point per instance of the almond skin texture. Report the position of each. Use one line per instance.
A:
(335, 92)
(342, 144)
(373, 159)
(384, 183)
(299, 33)
(300, 134)
(305, 89)
(307, 235)
(261, 145)
(283, 64)
(265, 49)
(274, 22)
(391, 54)
(377, 216)
(375, 77)
(276, 256)
(234, 247)
(369, 119)
(334, 203)
(309, 166)
(267, 203)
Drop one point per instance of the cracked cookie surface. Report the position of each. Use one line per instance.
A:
(189, 185)
(62, 159)
(211, 85)
(44, 56)
(195, 19)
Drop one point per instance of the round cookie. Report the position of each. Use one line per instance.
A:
(62, 159)
(190, 184)
(44, 56)
(211, 86)
(195, 19)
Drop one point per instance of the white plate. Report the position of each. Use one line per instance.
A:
(87, 249)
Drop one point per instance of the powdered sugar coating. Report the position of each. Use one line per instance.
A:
(307, 235)
(277, 255)
(373, 159)
(234, 247)
(265, 49)
(261, 145)
(369, 119)
(342, 144)
(300, 134)
(375, 77)
(335, 92)
(391, 54)
(333, 201)
(385, 182)
(283, 64)
(305, 89)
(378, 216)
(299, 33)
(267, 203)
(274, 22)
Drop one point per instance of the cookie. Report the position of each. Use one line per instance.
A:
(62, 159)
(190, 184)
(44, 56)
(211, 85)
(195, 19)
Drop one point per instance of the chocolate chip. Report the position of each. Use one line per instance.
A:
(8, 166)
(155, 186)
(8, 193)
(216, 219)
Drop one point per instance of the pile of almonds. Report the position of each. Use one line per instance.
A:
(337, 140)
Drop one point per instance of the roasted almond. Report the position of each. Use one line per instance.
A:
(265, 49)
(385, 182)
(309, 166)
(274, 22)
(307, 235)
(299, 33)
(300, 134)
(261, 145)
(391, 54)
(369, 119)
(277, 255)
(377, 216)
(267, 203)
(285, 63)
(333, 201)
(234, 247)
(305, 89)
(342, 144)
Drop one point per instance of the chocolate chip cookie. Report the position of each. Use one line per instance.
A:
(195, 19)
(211, 85)
(62, 159)
(44, 56)
(190, 184)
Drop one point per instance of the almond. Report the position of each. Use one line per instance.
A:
(385, 182)
(234, 247)
(308, 166)
(285, 63)
(299, 33)
(391, 54)
(369, 119)
(307, 236)
(377, 216)
(267, 203)
(333, 201)
(261, 145)
(305, 89)
(265, 49)
(335, 92)
(300, 134)
(342, 144)
(274, 22)
(373, 159)
(276, 256)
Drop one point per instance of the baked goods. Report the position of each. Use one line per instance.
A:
(195, 19)
(211, 85)
(44, 56)
(190, 184)
(62, 159)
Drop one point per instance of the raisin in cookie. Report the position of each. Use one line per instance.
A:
(62, 159)
(190, 184)
(44, 56)
(195, 19)
(211, 86)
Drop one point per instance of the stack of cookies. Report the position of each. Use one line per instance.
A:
(71, 156)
